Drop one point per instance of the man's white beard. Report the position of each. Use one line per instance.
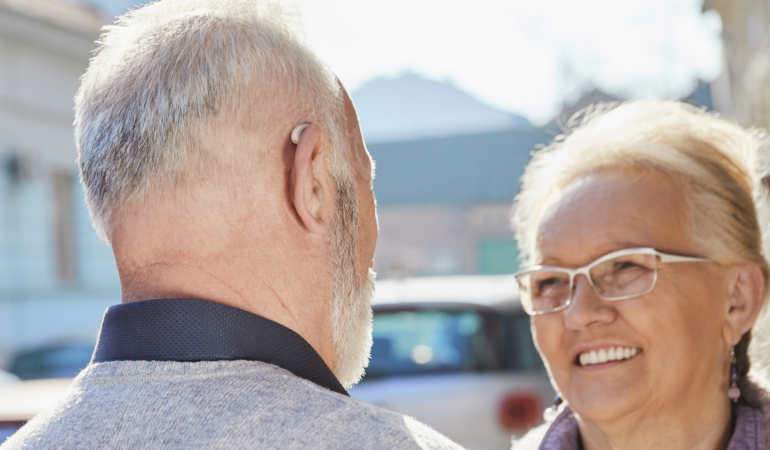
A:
(352, 330)
(351, 309)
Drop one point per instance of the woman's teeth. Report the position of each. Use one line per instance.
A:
(607, 354)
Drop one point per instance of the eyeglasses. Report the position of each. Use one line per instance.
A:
(616, 276)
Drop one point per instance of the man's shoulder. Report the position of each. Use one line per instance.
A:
(426, 437)
(533, 438)
(352, 423)
(562, 432)
(394, 428)
(235, 404)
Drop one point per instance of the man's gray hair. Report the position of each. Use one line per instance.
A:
(162, 76)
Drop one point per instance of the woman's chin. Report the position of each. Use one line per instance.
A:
(605, 391)
(602, 408)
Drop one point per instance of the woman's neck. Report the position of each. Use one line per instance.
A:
(699, 427)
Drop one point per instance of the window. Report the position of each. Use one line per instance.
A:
(450, 341)
(64, 230)
(497, 257)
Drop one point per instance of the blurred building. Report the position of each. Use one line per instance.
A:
(444, 204)
(55, 276)
(448, 168)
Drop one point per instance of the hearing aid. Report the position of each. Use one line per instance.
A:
(297, 132)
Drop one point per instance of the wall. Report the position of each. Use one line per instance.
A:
(56, 278)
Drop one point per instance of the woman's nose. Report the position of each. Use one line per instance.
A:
(586, 309)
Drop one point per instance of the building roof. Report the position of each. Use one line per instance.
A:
(458, 170)
(410, 107)
(700, 97)
(471, 168)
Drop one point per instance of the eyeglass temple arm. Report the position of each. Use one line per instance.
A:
(669, 258)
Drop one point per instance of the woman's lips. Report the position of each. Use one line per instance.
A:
(605, 355)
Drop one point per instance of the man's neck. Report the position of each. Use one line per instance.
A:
(261, 296)
(261, 263)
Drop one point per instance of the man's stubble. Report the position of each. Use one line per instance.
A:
(351, 310)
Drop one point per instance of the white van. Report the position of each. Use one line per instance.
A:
(456, 353)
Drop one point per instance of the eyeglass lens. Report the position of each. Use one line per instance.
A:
(617, 278)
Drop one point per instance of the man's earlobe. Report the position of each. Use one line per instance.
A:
(308, 181)
(746, 292)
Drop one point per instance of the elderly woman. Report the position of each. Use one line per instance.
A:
(644, 275)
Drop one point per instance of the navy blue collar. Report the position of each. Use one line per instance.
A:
(185, 329)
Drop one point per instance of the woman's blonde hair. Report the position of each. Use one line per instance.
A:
(721, 164)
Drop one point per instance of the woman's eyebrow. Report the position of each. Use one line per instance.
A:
(605, 250)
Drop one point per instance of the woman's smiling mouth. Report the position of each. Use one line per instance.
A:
(607, 355)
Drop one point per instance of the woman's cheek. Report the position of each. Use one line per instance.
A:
(547, 331)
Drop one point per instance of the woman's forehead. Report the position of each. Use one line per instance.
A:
(611, 210)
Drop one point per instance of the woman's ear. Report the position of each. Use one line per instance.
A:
(745, 292)
(311, 181)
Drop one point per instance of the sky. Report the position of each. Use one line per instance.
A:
(520, 56)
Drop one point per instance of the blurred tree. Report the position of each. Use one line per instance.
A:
(743, 89)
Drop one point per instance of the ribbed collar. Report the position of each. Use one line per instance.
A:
(563, 433)
(186, 329)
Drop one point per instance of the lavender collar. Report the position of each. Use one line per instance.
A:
(563, 433)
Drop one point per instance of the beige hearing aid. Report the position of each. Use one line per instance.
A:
(297, 132)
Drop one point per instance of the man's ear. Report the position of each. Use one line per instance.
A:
(745, 291)
(311, 181)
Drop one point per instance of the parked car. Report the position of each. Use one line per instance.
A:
(456, 353)
(60, 360)
(22, 400)
(38, 377)
(6, 377)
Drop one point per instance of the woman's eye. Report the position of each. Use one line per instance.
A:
(550, 282)
(624, 265)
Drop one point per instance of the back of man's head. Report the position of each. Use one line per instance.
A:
(182, 126)
(166, 74)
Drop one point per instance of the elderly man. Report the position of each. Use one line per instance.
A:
(224, 164)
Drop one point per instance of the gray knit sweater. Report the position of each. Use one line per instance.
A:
(213, 405)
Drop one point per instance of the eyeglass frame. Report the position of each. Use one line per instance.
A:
(664, 258)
